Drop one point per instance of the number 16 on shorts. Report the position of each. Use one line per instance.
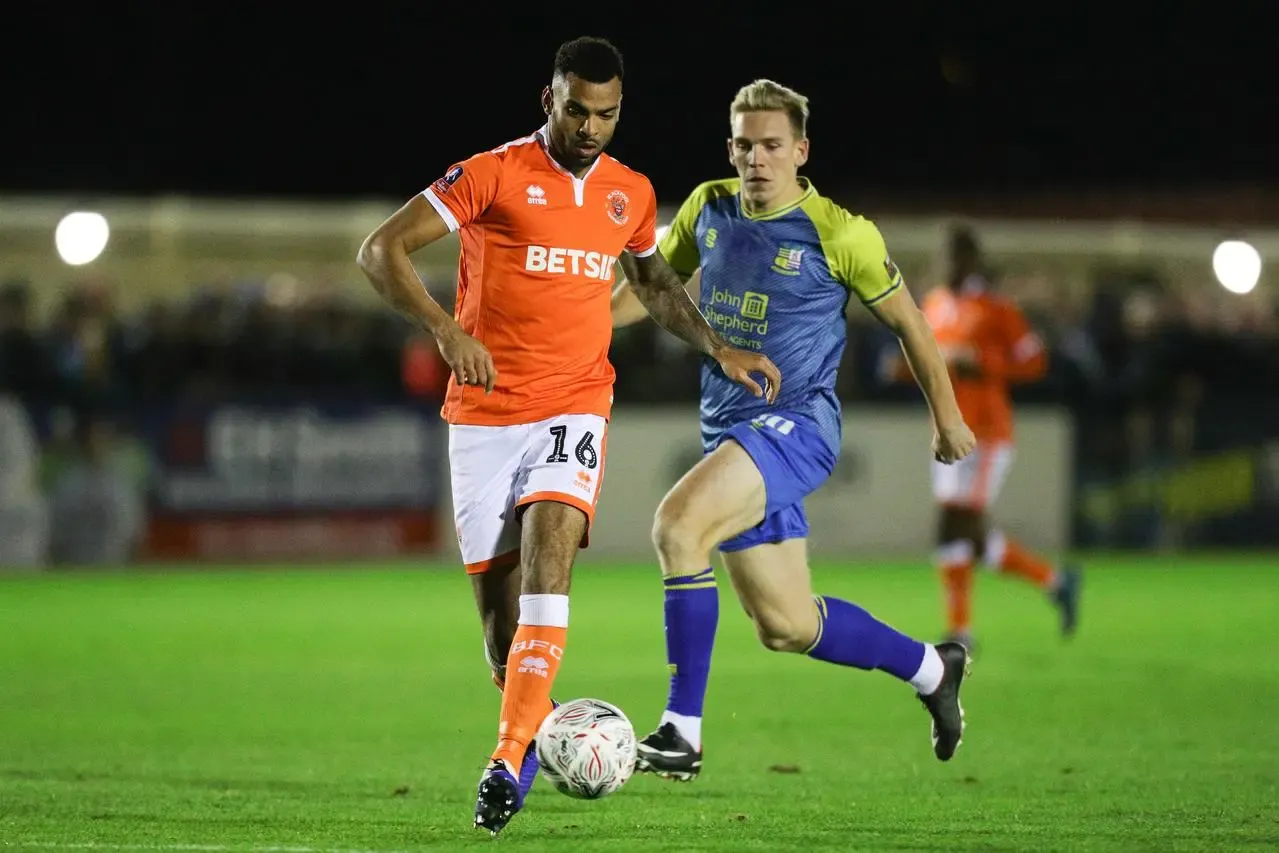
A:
(496, 470)
(570, 461)
(587, 456)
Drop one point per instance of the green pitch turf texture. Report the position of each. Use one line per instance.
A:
(322, 710)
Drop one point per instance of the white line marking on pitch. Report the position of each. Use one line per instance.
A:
(183, 848)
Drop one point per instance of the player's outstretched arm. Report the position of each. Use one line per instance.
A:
(661, 291)
(627, 307)
(384, 258)
(953, 440)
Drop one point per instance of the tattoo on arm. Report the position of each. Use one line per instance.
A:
(662, 291)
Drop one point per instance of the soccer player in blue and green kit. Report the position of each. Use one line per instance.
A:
(775, 266)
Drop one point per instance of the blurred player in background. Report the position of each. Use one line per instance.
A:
(542, 220)
(777, 266)
(988, 345)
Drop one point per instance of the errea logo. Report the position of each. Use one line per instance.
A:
(536, 195)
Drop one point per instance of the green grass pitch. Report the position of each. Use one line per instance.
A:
(325, 710)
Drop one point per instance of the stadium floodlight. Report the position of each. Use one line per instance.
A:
(1237, 266)
(80, 237)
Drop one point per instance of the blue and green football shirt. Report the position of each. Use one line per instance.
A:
(778, 283)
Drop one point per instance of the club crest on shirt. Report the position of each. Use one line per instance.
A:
(450, 178)
(616, 207)
(789, 260)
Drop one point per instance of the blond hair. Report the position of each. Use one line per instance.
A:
(767, 96)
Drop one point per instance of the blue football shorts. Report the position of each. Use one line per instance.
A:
(794, 460)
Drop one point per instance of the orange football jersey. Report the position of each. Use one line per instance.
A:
(535, 276)
(995, 332)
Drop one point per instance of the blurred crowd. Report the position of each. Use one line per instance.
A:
(1128, 343)
(1136, 362)
(218, 344)
(75, 472)
(1139, 364)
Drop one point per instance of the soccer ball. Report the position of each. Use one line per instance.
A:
(586, 748)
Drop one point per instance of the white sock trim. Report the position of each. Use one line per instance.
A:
(955, 552)
(550, 611)
(996, 548)
(931, 670)
(690, 728)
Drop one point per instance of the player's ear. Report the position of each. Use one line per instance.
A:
(546, 100)
(728, 144)
(801, 152)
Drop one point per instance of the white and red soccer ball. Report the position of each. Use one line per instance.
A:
(586, 748)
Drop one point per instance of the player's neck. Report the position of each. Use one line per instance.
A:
(784, 199)
(568, 165)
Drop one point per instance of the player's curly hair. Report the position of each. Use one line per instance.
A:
(767, 96)
(593, 59)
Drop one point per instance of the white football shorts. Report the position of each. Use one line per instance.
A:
(498, 470)
(975, 481)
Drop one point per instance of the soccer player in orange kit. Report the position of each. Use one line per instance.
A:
(989, 346)
(542, 222)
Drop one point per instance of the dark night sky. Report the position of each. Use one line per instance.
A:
(376, 101)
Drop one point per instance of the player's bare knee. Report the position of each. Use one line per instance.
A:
(548, 572)
(552, 533)
(962, 524)
(952, 525)
(785, 628)
(681, 544)
(972, 527)
(779, 634)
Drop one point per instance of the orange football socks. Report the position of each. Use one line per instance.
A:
(531, 668)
